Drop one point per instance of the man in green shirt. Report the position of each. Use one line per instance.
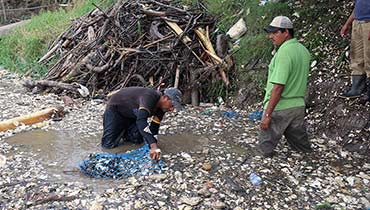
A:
(284, 105)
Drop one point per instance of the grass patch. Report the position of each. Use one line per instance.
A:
(20, 50)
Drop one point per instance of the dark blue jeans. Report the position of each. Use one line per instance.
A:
(117, 128)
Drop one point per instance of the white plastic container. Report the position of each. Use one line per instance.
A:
(2, 160)
(237, 30)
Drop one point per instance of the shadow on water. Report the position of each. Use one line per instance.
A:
(61, 152)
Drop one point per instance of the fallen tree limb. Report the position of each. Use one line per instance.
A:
(50, 53)
(150, 12)
(74, 87)
(176, 28)
(168, 6)
(51, 198)
(48, 83)
(30, 118)
(212, 53)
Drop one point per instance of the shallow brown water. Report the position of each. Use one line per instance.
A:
(61, 152)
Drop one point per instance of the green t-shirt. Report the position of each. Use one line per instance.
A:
(289, 67)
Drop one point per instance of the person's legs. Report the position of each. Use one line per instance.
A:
(358, 75)
(357, 49)
(270, 138)
(133, 134)
(366, 43)
(296, 133)
(114, 129)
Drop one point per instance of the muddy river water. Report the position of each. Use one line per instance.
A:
(61, 152)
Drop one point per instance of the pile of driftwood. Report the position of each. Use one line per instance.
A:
(137, 43)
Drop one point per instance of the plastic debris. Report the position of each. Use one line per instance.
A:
(2, 160)
(257, 115)
(118, 166)
(263, 2)
(83, 91)
(237, 30)
(255, 179)
(206, 112)
(220, 100)
(231, 114)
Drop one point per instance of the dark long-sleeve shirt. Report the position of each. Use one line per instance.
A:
(139, 103)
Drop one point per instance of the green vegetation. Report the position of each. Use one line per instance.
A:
(324, 206)
(254, 45)
(20, 50)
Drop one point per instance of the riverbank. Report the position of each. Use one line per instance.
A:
(331, 176)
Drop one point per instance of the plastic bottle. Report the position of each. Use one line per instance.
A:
(220, 100)
(255, 179)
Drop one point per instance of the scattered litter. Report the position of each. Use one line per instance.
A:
(263, 2)
(118, 166)
(231, 114)
(2, 160)
(206, 112)
(257, 115)
(220, 100)
(83, 91)
(255, 179)
(237, 30)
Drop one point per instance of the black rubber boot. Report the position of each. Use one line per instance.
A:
(366, 97)
(358, 86)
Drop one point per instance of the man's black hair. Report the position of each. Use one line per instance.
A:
(290, 31)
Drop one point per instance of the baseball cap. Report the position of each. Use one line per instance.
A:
(278, 23)
(175, 96)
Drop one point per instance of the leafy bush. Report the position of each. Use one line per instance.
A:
(254, 45)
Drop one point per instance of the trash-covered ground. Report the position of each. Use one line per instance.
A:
(217, 176)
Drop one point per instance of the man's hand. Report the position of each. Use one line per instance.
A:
(347, 26)
(155, 152)
(265, 122)
(345, 30)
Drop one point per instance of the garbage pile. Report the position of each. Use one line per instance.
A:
(118, 166)
(136, 43)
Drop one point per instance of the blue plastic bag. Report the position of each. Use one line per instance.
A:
(231, 114)
(257, 115)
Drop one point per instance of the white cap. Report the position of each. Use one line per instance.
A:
(279, 22)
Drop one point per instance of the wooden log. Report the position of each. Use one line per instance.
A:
(154, 32)
(194, 91)
(30, 118)
(152, 13)
(176, 28)
(51, 198)
(151, 81)
(212, 53)
(49, 54)
(177, 78)
(111, 93)
(49, 83)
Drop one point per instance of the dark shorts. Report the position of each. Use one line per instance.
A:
(118, 128)
(290, 123)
